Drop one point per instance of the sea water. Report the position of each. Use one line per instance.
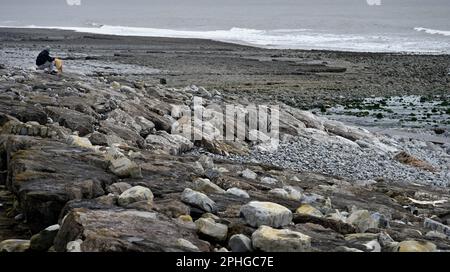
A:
(420, 26)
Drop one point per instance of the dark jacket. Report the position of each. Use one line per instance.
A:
(43, 57)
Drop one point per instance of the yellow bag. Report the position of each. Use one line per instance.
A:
(59, 65)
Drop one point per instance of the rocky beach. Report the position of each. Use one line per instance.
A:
(92, 161)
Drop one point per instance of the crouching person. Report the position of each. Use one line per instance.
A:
(45, 62)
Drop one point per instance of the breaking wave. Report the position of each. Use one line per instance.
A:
(433, 31)
(284, 38)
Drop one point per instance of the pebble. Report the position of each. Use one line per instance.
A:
(309, 155)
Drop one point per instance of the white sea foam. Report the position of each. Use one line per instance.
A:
(281, 38)
(433, 31)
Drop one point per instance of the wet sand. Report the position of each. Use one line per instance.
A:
(305, 79)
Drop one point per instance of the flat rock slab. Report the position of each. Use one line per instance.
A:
(125, 230)
(41, 179)
(23, 112)
(72, 119)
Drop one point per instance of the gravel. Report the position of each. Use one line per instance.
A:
(354, 163)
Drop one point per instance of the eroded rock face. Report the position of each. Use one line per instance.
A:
(72, 119)
(125, 230)
(174, 144)
(39, 176)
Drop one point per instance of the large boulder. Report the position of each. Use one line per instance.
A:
(97, 138)
(240, 243)
(287, 192)
(198, 200)
(44, 239)
(238, 192)
(271, 214)
(212, 230)
(124, 168)
(436, 226)
(248, 174)
(307, 209)
(135, 194)
(206, 186)
(364, 220)
(273, 240)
